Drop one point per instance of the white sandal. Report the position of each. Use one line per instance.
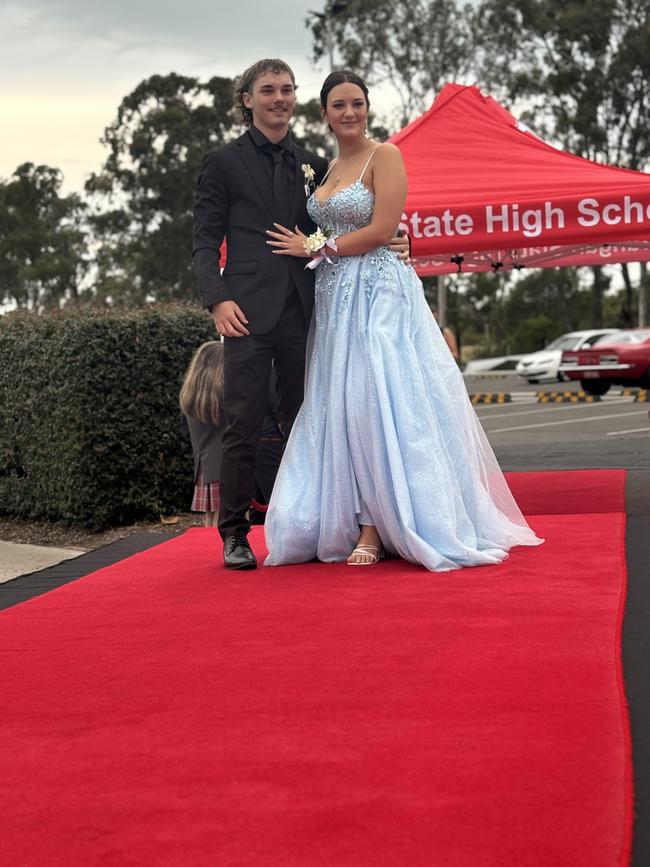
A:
(374, 552)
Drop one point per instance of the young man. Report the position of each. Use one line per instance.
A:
(262, 304)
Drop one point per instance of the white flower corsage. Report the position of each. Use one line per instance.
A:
(320, 243)
(310, 178)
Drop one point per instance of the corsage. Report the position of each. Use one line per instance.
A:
(322, 244)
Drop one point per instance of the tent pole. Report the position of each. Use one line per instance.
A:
(643, 282)
(442, 301)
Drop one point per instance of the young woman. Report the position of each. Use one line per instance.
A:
(387, 452)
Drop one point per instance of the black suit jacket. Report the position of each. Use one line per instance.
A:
(234, 201)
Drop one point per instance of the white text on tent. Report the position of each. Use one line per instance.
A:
(531, 222)
(446, 225)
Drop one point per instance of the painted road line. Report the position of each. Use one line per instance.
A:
(581, 420)
(557, 409)
(615, 433)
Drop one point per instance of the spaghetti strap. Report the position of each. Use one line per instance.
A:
(363, 170)
(329, 169)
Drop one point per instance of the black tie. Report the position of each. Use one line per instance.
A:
(280, 183)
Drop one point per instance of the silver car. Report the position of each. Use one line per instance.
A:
(542, 366)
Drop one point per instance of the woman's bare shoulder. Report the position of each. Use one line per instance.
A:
(387, 151)
(387, 158)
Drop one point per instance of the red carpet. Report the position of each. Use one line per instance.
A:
(571, 492)
(165, 712)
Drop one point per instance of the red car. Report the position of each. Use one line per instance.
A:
(622, 358)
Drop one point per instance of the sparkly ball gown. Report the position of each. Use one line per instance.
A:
(387, 435)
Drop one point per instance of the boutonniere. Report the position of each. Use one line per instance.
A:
(310, 178)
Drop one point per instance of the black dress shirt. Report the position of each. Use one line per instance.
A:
(265, 150)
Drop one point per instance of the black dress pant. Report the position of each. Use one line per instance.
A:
(247, 369)
(267, 462)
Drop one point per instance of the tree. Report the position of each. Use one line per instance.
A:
(144, 193)
(503, 313)
(414, 47)
(42, 240)
(555, 295)
(583, 68)
(583, 64)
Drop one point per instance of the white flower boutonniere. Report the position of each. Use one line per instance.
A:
(310, 178)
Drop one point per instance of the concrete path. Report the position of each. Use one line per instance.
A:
(18, 559)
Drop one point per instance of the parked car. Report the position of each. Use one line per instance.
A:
(543, 366)
(486, 365)
(622, 358)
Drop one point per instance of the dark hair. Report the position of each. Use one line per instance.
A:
(342, 76)
(247, 79)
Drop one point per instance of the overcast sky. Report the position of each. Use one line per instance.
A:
(66, 64)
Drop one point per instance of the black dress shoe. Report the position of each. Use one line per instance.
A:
(237, 553)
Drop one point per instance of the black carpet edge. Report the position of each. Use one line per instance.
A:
(636, 669)
(25, 587)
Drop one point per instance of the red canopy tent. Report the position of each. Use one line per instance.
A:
(485, 193)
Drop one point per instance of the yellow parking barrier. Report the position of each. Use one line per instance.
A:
(642, 396)
(491, 397)
(567, 397)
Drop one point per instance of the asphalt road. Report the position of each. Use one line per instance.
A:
(526, 434)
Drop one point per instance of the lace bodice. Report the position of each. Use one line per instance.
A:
(348, 209)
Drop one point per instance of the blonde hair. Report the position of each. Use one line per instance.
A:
(202, 390)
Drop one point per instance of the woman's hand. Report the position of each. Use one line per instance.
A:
(286, 242)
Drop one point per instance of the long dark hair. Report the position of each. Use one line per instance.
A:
(342, 76)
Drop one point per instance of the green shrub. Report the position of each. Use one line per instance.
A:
(89, 417)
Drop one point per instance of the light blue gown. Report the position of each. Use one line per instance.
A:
(387, 434)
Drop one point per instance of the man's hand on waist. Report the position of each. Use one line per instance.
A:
(401, 244)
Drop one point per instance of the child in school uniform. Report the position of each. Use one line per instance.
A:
(201, 401)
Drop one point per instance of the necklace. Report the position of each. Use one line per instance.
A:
(337, 177)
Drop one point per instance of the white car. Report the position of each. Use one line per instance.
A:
(543, 366)
(485, 366)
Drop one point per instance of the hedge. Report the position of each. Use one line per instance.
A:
(89, 417)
